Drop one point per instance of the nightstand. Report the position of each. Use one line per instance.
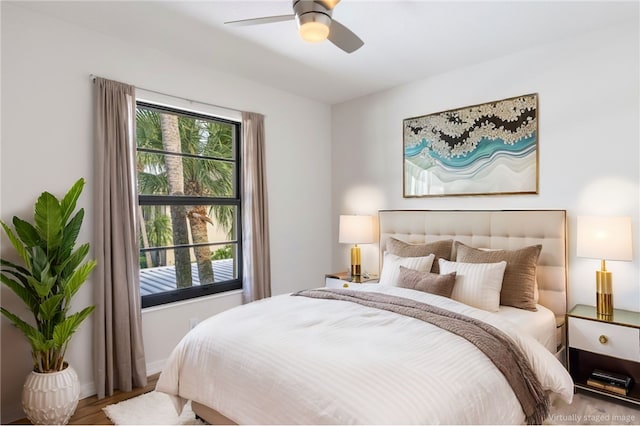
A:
(611, 345)
(341, 280)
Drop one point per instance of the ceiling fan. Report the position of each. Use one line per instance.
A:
(315, 24)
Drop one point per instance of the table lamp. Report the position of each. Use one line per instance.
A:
(355, 229)
(604, 238)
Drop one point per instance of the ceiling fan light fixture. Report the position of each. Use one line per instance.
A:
(313, 26)
(314, 32)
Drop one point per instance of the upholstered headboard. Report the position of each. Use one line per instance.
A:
(494, 229)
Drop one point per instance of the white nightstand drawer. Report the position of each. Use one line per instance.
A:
(606, 339)
(336, 283)
(330, 282)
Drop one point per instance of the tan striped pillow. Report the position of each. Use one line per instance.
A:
(518, 286)
(440, 249)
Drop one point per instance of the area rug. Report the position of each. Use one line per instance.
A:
(587, 410)
(153, 408)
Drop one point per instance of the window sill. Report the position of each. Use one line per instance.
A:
(225, 294)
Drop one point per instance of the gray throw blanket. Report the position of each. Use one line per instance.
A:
(495, 344)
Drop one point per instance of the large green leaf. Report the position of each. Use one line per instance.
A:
(24, 293)
(16, 270)
(48, 219)
(68, 203)
(73, 261)
(70, 234)
(17, 244)
(45, 284)
(27, 233)
(39, 262)
(79, 276)
(23, 276)
(50, 307)
(29, 331)
(62, 332)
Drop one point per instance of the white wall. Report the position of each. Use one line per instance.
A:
(589, 161)
(47, 145)
(589, 156)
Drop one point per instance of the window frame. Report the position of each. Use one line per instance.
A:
(181, 294)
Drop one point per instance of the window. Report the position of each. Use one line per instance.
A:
(189, 209)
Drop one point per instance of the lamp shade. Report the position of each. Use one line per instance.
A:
(356, 229)
(604, 237)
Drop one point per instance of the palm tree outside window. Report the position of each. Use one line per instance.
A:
(189, 208)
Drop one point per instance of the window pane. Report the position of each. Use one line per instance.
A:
(158, 279)
(177, 225)
(172, 132)
(207, 246)
(199, 176)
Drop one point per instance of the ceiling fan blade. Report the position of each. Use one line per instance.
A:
(259, 21)
(344, 38)
(329, 4)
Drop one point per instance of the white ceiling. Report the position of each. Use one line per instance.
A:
(404, 40)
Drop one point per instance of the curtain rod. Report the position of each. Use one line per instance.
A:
(93, 79)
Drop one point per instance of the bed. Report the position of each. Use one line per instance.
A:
(381, 353)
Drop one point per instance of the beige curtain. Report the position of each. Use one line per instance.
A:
(255, 219)
(118, 349)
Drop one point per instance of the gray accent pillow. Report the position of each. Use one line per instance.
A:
(441, 249)
(442, 285)
(518, 284)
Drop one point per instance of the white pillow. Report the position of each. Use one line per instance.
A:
(477, 284)
(392, 263)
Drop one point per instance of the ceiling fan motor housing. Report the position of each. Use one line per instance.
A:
(311, 11)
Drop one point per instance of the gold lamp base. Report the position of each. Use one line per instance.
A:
(604, 292)
(356, 274)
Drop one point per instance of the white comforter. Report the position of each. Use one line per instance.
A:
(299, 360)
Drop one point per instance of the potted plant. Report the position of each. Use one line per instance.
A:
(50, 274)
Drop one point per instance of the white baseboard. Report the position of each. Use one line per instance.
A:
(89, 389)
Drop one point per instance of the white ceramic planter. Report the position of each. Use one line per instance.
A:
(51, 398)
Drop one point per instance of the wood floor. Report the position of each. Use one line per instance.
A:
(89, 411)
(584, 407)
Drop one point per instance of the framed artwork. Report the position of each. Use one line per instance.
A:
(490, 148)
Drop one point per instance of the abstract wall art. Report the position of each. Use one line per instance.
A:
(489, 148)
